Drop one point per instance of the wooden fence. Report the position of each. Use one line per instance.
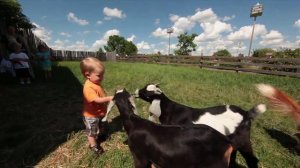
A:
(66, 55)
(274, 66)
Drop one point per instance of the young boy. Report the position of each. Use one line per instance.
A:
(20, 63)
(94, 100)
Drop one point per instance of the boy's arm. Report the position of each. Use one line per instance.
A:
(103, 99)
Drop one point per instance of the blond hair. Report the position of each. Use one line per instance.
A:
(91, 64)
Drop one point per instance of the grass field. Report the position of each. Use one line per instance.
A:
(41, 123)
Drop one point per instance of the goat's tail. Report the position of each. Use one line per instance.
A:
(280, 101)
(255, 111)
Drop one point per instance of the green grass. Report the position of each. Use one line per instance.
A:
(41, 124)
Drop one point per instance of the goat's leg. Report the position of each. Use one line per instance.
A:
(250, 158)
(140, 162)
(232, 162)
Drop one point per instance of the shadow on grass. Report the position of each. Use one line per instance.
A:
(35, 119)
(284, 139)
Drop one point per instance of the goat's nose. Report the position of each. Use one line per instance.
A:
(136, 93)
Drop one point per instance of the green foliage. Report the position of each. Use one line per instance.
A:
(11, 13)
(185, 44)
(222, 53)
(120, 45)
(283, 53)
(100, 51)
(288, 53)
(297, 53)
(263, 52)
(130, 48)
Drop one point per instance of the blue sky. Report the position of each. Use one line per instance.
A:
(220, 24)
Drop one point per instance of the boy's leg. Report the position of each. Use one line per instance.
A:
(92, 141)
(92, 130)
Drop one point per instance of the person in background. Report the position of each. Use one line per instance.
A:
(20, 63)
(45, 60)
(94, 100)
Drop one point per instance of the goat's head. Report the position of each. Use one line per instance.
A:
(149, 92)
(123, 99)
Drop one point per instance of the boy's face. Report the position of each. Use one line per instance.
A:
(95, 77)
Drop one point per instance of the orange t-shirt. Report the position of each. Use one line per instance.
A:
(92, 91)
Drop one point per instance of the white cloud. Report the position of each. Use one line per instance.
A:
(298, 41)
(113, 13)
(174, 18)
(72, 18)
(157, 21)
(272, 38)
(78, 46)
(99, 22)
(143, 46)
(65, 45)
(159, 32)
(65, 34)
(86, 32)
(103, 41)
(244, 33)
(297, 23)
(42, 33)
(227, 18)
(206, 15)
(131, 38)
(212, 30)
(183, 24)
(111, 33)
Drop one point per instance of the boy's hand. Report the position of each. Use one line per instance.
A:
(110, 98)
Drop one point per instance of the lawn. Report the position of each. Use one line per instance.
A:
(41, 124)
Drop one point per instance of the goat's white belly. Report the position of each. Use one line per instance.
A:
(225, 122)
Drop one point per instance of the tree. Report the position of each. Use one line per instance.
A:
(11, 14)
(119, 45)
(297, 53)
(130, 48)
(185, 44)
(100, 51)
(115, 43)
(263, 52)
(224, 53)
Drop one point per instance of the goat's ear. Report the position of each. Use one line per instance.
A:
(131, 100)
(109, 107)
(157, 84)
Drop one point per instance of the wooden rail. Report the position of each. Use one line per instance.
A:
(274, 66)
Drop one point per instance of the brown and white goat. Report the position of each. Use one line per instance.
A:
(282, 102)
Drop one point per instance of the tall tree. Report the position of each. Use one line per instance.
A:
(115, 43)
(224, 53)
(130, 48)
(119, 45)
(11, 14)
(186, 44)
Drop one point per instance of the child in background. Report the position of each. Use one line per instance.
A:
(45, 61)
(20, 63)
(94, 100)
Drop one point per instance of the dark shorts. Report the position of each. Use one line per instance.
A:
(22, 73)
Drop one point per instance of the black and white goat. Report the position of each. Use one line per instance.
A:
(229, 120)
(171, 146)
